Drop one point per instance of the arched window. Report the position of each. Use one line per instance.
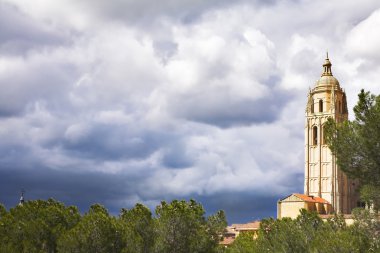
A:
(320, 105)
(315, 135)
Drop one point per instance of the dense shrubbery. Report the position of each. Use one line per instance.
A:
(308, 233)
(50, 226)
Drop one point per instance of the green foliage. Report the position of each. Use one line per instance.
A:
(367, 229)
(370, 194)
(308, 233)
(49, 226)
(3, 211)
(182, 228)
(3, 231)
(356, 144)
(139, 230)
(335, 236)
(35, 226)
(216, 226)
(341, 241)
(244, 243)
(97, 232)
(286, 235)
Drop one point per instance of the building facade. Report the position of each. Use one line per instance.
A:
(290, 206)
(323, 178)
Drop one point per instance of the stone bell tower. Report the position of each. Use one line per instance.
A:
(323, 178)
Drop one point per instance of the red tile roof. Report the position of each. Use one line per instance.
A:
(313, 199)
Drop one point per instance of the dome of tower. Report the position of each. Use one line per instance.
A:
(327, 79)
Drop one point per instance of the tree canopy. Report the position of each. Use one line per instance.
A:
(50, 226)
(182, 228)
(35, 226)
(356, 144)
(308, 233)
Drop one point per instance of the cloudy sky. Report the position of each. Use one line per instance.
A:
(129, 101)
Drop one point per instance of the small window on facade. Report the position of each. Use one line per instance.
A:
(320, 105)
(315, 135)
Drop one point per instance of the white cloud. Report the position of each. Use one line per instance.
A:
(364, 40)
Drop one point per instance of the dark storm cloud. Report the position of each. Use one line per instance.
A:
(232, 113)
(7, 111)
(221, 109)
(241, 207)
(72, 187)
(10, 154)
(176, 156)
(84, 189)
(113, 142)
(20, 33)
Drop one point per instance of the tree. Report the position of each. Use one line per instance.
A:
(138, 230)
(3, 210)
(216, 226)
(3, 232)
(356, 144)
(36, 226)
(244, 243)
(370, 194)
(97, 232)
(279, 236)
(336, 236)
(182, 228)
(366, 229)
(287, 235)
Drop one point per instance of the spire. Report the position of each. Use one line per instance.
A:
(327, 66)
(22, 198)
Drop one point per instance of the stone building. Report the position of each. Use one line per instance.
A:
(235, 229)
(290, 205)
(323, 179)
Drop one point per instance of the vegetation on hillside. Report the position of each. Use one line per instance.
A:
(177, 227)
(50, 226)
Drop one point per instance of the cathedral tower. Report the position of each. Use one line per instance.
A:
(323, 178)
